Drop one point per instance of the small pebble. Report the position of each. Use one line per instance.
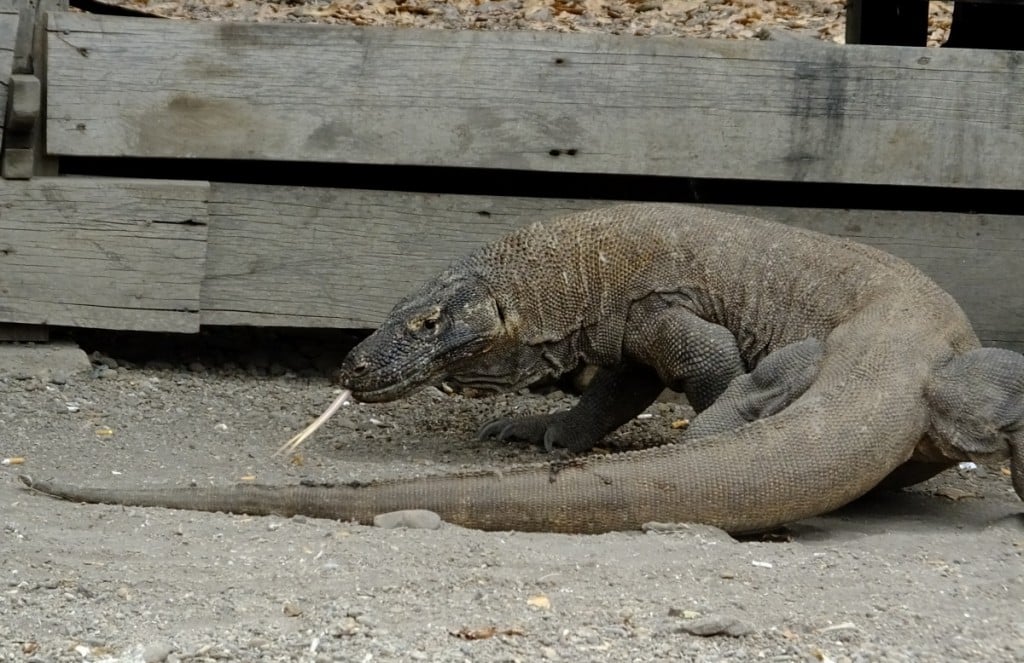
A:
(348, 627)
(104, 360)
(156, 652)
(538, 14)
(716, 625)
(411, 518)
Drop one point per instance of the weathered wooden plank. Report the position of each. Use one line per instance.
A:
(284, 256)
(112, 254)
(797, 110)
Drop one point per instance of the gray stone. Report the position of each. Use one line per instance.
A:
(157, 652)
(411, 518)
(56, 361)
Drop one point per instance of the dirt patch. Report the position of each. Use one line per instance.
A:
(927, 575)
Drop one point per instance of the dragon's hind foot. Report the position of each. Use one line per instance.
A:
(977, 402)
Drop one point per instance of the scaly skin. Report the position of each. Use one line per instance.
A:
(881, 377)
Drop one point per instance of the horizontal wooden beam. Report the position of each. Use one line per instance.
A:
(111, 254)
(304, 257)
(795, 110)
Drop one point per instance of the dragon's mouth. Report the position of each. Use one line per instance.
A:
(395, 383)
(482, 385)
(392, 391)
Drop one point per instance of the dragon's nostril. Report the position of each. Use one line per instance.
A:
(359, 368)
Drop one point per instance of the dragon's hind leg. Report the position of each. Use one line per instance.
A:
(780, 378)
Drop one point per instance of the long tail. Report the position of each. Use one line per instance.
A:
(860, 420)
(767, 473)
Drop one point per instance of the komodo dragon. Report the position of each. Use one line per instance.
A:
(876, 374)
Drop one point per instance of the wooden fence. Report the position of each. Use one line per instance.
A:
(215, 249)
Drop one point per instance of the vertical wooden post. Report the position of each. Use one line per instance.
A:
(44, 164)
(24, 144)
(887, 22)
(989, 25)
(23, 118)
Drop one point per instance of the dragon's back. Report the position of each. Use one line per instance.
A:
(769, 283)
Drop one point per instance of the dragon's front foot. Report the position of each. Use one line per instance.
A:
(552, 431)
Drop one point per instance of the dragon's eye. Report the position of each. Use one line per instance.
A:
(425, 321)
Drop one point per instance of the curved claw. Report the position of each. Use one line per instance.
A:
(552, 438)
(552, 431)
(532, 429)
(492, 428)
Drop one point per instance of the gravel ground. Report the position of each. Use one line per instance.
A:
(928, 575)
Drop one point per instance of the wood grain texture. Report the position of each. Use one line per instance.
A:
(288, 256)
(111, 254)
(783, 111)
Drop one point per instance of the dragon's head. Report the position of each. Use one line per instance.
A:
(453, 327)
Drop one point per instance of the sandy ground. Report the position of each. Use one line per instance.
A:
(928, 575)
